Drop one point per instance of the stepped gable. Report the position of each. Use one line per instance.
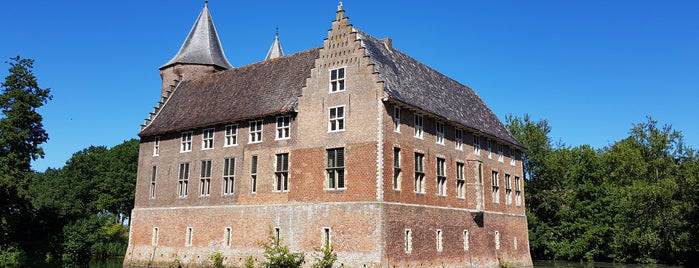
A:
(257, 90)
(411, 82)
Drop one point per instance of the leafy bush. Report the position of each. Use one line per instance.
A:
(11, 256)
(278, 255)
(327, 258)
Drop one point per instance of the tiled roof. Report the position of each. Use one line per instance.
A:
(252, 91)
(411, 82)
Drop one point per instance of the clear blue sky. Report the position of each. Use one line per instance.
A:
(591, 68)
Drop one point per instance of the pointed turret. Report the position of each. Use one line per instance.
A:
(201, 53)
(276, 50)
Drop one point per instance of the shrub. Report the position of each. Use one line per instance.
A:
(278, 255)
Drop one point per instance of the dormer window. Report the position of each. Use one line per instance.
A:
(337, 80)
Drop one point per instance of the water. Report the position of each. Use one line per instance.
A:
(108, 263)
(564, 264)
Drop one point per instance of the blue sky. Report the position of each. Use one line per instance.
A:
(591, 68)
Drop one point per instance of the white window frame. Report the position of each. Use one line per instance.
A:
(227, 236)
(231, 135)
(228, 176)
(441, 176)
(518, 191)
(501, 153)
(155, 237)
(476, 144)
(186, 141)
(408, 241)
(396, 119)
(440, 240)
(490, 148)
(156, 146)
(183, 180)
(253, 174)
(419, 125)
(513, 159)
(337, 83)
(283, 127)
(335, 169)
(189, 237)
(466, 239)
(326, 238)
(508, 190)
(460, 181)
(207, 138)
(458, 139)
(256, 128)
(419, 182)
(495, 183)
(205, 178)
(336, 118)
(397, 170)
(439, 133)
(154, 174)
(281, 172)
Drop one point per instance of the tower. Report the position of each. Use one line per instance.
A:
(275, 51)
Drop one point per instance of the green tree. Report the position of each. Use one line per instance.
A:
(116, 188)
(278, 255)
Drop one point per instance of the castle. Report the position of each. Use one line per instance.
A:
(353, 145)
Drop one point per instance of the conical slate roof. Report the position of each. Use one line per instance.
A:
(275, 51)
(202, 45)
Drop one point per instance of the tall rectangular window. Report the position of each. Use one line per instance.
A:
(418, 126)
(227, 236)
(207, 139)
(501, 154)
(408, 240)
(282, 173)
(439, 129)
(396, 168)
(440, 240)
(336, 168)
(283, 127)
(255, 131)
(489, 142)
(228, 175)
(512, 156)
(183, 180)
(496, 187)
(205, 178)
(186, 142)
(459, 139)
(253, 174)
(325, 243)
(152, 182)
(336, 119)
(460, 181)
(156, 146)
(396, 119)
(231, 135)
(441, 177)
(337, 80)
(154, 238)
(476, 144)
(419, 173)
(466, 240)
(508, 190)
(189, 237)
(518, 192)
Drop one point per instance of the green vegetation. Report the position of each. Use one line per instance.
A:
(633, 201)
(326, 259)
(278, 255)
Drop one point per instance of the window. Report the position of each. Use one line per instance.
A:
(183, 180)
(396, 168)
(152, 182)
(205, 178)
(396, 119)
(440, 240)
(518, 192)
(253, 174)
(480, 173)
(497, 239)
(337, 80)
(207, 139)
(336, 168)
(325, 241)
(277, 233)
(501, 155)
(419, 173)
(458, 139)
(154, 238)
(156, 146)
(228, 175)
(490, 148)
(255, 131)
(512, 156)
(282, 173)
(231, 135)
(408, 241)
(476, 145)
(496, 187)
(336, 119)
(283, 127)
(418, 126)
(460, 181)
(441, 177)
(227, 236)
(186, 144)
(440, 133)
(188, 237)
(466, 238)
(515, 243)
(508, 190)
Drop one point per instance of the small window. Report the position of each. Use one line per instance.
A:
(277, 233)
(408, 238)
(476, 144)
(396, 169)
(156, 146)
(227, 236)
(186, 142)
(419, 173)
(205, 178)
(497, 239)
(325, 241)
(253, 174)
(283, 127)
(489, 142)
(207, 139)
(439, 129)
(396, 119)
(418, 126)
(480, 173)
(518, 192)
(336, 168)
(183, 180)
(188, 237)
(512, 157)
(282, 173)
(153, 175)
(231, 135)
(508, 190)
(440, 240)
(441, 177)
(154, 238)
(337, 80)
(466, 238)
(336, 119)
(458, 139)
(228, 175)
(255, 131)
(460, 181)
(501, 154)
(496, 187)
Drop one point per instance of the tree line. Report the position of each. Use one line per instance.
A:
(635, 200)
